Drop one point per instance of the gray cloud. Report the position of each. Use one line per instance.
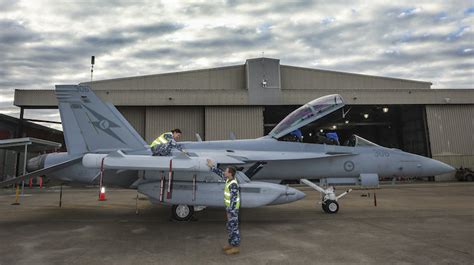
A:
(423, 40)
(8, 5)
(13, 33)
(222, 38)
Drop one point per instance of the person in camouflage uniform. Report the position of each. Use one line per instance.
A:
(232, 202)
(163, 145)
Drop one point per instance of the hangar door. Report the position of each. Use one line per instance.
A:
(162, 119)
(245, 122)
(451, 133)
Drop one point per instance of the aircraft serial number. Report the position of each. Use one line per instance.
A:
(83, 89)
(379, 153)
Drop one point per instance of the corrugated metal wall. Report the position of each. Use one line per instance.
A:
(136, 117)
(305, 78)
(245, 122)
(162, 119)
(451, 131)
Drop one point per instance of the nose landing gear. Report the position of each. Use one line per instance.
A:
(329, 199)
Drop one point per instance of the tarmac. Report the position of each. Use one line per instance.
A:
(412, 224)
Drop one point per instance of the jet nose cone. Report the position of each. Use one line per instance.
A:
(436, 167)
(445, 168)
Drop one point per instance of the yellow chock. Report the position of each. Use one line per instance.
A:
(17, 195)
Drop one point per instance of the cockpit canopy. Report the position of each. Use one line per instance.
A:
(356, 140)
(308, 113)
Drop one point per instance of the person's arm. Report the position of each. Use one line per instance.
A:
(175, 144)
(172, 142)
(215, 169)
(234, 192)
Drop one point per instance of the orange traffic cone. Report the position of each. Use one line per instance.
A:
(102, 194)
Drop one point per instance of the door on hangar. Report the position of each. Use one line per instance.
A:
(246, 122)
(392, 126)
(163, 119)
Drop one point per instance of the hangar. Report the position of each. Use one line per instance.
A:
(10, 157)
(247, 100)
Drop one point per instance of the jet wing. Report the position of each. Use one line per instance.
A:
(41, 172)
(195, 161)
(242, 157)
(180, 162)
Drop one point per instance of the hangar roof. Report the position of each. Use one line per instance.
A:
(236, 77)
(34, 144)
(260, 81)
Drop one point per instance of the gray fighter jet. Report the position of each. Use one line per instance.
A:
(103, 147)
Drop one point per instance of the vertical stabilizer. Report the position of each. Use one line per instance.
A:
(90, 125)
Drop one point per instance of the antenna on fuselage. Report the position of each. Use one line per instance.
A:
(92, 66)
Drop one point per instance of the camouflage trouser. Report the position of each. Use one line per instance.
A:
(161, 150)
(233, 227)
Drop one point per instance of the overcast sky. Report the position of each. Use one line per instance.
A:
(43, 43)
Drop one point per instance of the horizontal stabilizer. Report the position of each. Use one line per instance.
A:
(41, 172)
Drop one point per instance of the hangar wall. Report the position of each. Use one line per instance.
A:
(245, 122)
(212, 123)
(451, 133)
(136, 117)
(161, 119)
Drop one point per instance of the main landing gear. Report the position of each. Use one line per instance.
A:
(183, 212)
(329, 198)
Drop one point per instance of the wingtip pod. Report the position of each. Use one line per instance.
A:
(93, 160)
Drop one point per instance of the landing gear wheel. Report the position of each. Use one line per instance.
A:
(330, 206)
(470, 178)
(182, 212)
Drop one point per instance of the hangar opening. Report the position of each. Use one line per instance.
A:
(393, 126)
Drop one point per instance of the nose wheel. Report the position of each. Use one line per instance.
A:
(329, 199)
(330, 206)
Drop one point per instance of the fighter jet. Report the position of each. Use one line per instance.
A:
(104, 148)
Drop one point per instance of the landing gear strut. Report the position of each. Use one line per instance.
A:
(329, 199)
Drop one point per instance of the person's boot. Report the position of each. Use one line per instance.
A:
(226, 247)
(232, 251)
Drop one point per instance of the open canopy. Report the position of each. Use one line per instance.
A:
(308, 113)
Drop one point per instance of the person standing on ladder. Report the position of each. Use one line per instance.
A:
(232, 205)
(163, 145)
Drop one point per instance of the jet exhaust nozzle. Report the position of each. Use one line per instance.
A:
(36, 163)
